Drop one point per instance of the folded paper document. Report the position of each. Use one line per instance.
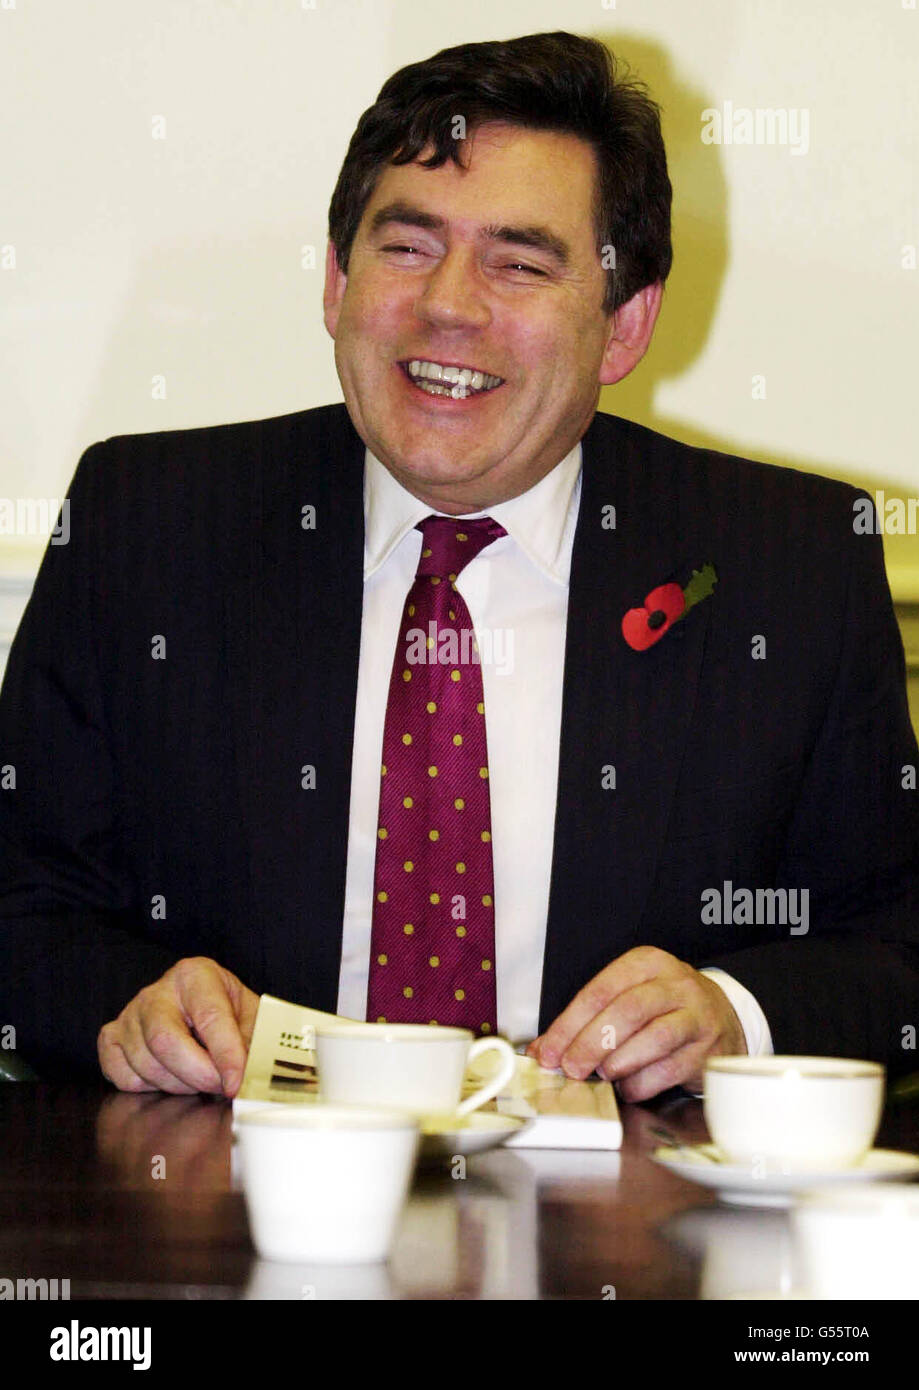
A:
(563, 1114)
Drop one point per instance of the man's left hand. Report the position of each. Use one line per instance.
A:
(647, 1021)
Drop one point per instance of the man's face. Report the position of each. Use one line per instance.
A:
(492, 268)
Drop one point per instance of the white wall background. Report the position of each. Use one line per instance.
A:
(136, 256)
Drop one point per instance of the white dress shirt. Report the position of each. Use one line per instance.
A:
(516, 591)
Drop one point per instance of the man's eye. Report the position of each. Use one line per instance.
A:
(527, 269)
(401, 248)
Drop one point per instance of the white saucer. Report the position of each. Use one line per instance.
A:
(737, 1183)
(443, 1136)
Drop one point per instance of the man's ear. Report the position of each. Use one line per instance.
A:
(334, 292)
(631, 327)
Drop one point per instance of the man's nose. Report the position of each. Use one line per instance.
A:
(453, 296)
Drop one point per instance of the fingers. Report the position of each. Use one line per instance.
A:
(640, 964)
(115, 1066)
(647, 1021)
(127, 1061)
(159, 1045)
(204, 994)
(677, 1069)
(188, 1032)
(246, 1009)
(663, 1038)
(639, 1024)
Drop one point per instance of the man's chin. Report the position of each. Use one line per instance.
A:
(446, 477)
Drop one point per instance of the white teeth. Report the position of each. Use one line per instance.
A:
(458, 382)
(457, 376)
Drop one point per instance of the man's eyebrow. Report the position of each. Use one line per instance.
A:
(407, 214)
(539, 238)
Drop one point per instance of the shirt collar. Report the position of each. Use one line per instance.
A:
(541, 521)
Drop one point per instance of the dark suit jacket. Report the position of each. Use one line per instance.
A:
(178, 781)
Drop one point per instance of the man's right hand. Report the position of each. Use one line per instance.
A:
(188, 1032)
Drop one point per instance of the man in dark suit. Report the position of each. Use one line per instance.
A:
(704, 824)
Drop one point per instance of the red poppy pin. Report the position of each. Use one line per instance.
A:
(664, 606)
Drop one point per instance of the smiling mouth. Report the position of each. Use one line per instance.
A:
(458, 383)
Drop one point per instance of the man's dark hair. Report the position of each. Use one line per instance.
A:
(558, 82)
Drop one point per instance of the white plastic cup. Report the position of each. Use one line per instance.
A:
(326, 1183)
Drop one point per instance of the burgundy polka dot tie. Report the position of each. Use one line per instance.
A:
(433, 938)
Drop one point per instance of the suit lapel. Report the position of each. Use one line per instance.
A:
(625, 714)
(293, 642)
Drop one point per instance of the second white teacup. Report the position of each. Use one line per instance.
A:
(411, 1066)
(793, 1113)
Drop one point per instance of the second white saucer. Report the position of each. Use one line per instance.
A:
(739, 1185)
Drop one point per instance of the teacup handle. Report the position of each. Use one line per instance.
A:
(497, 1082)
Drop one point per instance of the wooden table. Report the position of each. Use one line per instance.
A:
(134, 1197)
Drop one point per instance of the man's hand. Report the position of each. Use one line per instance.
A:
(647, 1021)
(188, 1032)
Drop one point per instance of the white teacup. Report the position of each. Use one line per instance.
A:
(858, 1243)
(412, 1066)
(793, 1113)
(325, 1183)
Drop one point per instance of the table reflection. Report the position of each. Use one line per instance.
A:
(137, 1196)
(744, 1252)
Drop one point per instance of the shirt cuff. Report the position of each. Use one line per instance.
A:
(752, 1019)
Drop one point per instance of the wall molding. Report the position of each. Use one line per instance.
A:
(15, 589)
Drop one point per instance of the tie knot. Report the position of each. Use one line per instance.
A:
(447, 546)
